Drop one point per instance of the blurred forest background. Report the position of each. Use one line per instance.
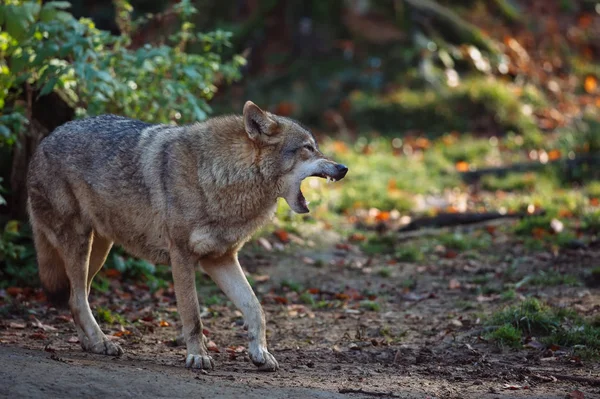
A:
(446, 112)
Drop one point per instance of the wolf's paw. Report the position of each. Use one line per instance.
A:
(264, 360)
(203, 362)
(103, 347)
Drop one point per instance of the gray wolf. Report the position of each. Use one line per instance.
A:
(181, 195)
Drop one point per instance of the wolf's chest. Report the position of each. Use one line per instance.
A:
(227, 235)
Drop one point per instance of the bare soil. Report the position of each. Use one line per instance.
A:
(424, 339)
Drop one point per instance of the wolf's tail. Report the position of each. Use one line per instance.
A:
(51, 270)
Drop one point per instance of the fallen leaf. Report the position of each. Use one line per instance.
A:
(19, 326)
(280, 299)
(121, 333)
(357, 237)
(112, 273)
(538, 232)
(14, 291)
(590, 84)
(282, 235)
(553, 155)
(454, 284)
(512, 387)
(450, 254)
(212, 347)
(462, 166)
(163, 323)
(38, 335)
(576, 394)
(73, 340)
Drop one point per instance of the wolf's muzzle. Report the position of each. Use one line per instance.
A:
(341, 171)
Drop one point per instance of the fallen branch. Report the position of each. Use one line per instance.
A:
(575, 378)
(362, 391)
(454, 219)
(568, 164)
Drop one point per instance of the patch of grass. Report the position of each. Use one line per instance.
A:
(408, 283)
(385, 272)
(506, 336)
(532, 317)
(551, 278)
(213, 300)
(107, 316)
(591, 221)
(307, 298)
(292, 285)
(510, 182)
(584, 339)
(441, 111)
(482, 279)
(528, 225)
(463, 242)
(508, 295)
(370, 305)
(381, 244)
(101, 284)
(410, 254)
(592, 189)
(552, 325)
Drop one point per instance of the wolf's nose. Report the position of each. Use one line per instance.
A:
(341, 171)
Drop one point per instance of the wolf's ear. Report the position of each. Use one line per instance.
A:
(258, 124)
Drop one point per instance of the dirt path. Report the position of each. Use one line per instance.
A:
(35, 374)
(38, 374)
(341, 325)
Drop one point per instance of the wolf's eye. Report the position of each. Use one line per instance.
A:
(309, 147)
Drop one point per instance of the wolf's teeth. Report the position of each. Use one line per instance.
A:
(328, 179)
(307, 202)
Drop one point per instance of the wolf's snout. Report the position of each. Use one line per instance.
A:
(341, 171)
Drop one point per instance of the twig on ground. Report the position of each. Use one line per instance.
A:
(576, 378)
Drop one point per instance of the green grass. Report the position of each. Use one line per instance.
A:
(307, 298)
(551, 278)
(510, 182)
(370, 305)
(506, 336)
(107, 316)
(462, 242)
(551, 325)
(440, 111)
(410, 254)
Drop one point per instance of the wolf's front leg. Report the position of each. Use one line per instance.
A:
(184, 279)
(228, 274)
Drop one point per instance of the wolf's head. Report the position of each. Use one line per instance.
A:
(290, 153)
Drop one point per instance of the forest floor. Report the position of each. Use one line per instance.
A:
(420, 330)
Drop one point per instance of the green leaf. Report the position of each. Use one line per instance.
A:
(63, 5)
(49, 86)
(4, 131)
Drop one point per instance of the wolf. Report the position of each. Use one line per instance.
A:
(186, 196)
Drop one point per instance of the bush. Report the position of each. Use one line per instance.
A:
(44, 49)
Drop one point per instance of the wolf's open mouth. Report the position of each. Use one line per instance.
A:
(301, 201)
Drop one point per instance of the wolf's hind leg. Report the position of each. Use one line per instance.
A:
(100, 249)
(76, 254)
(229, 276)
(184, 279)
